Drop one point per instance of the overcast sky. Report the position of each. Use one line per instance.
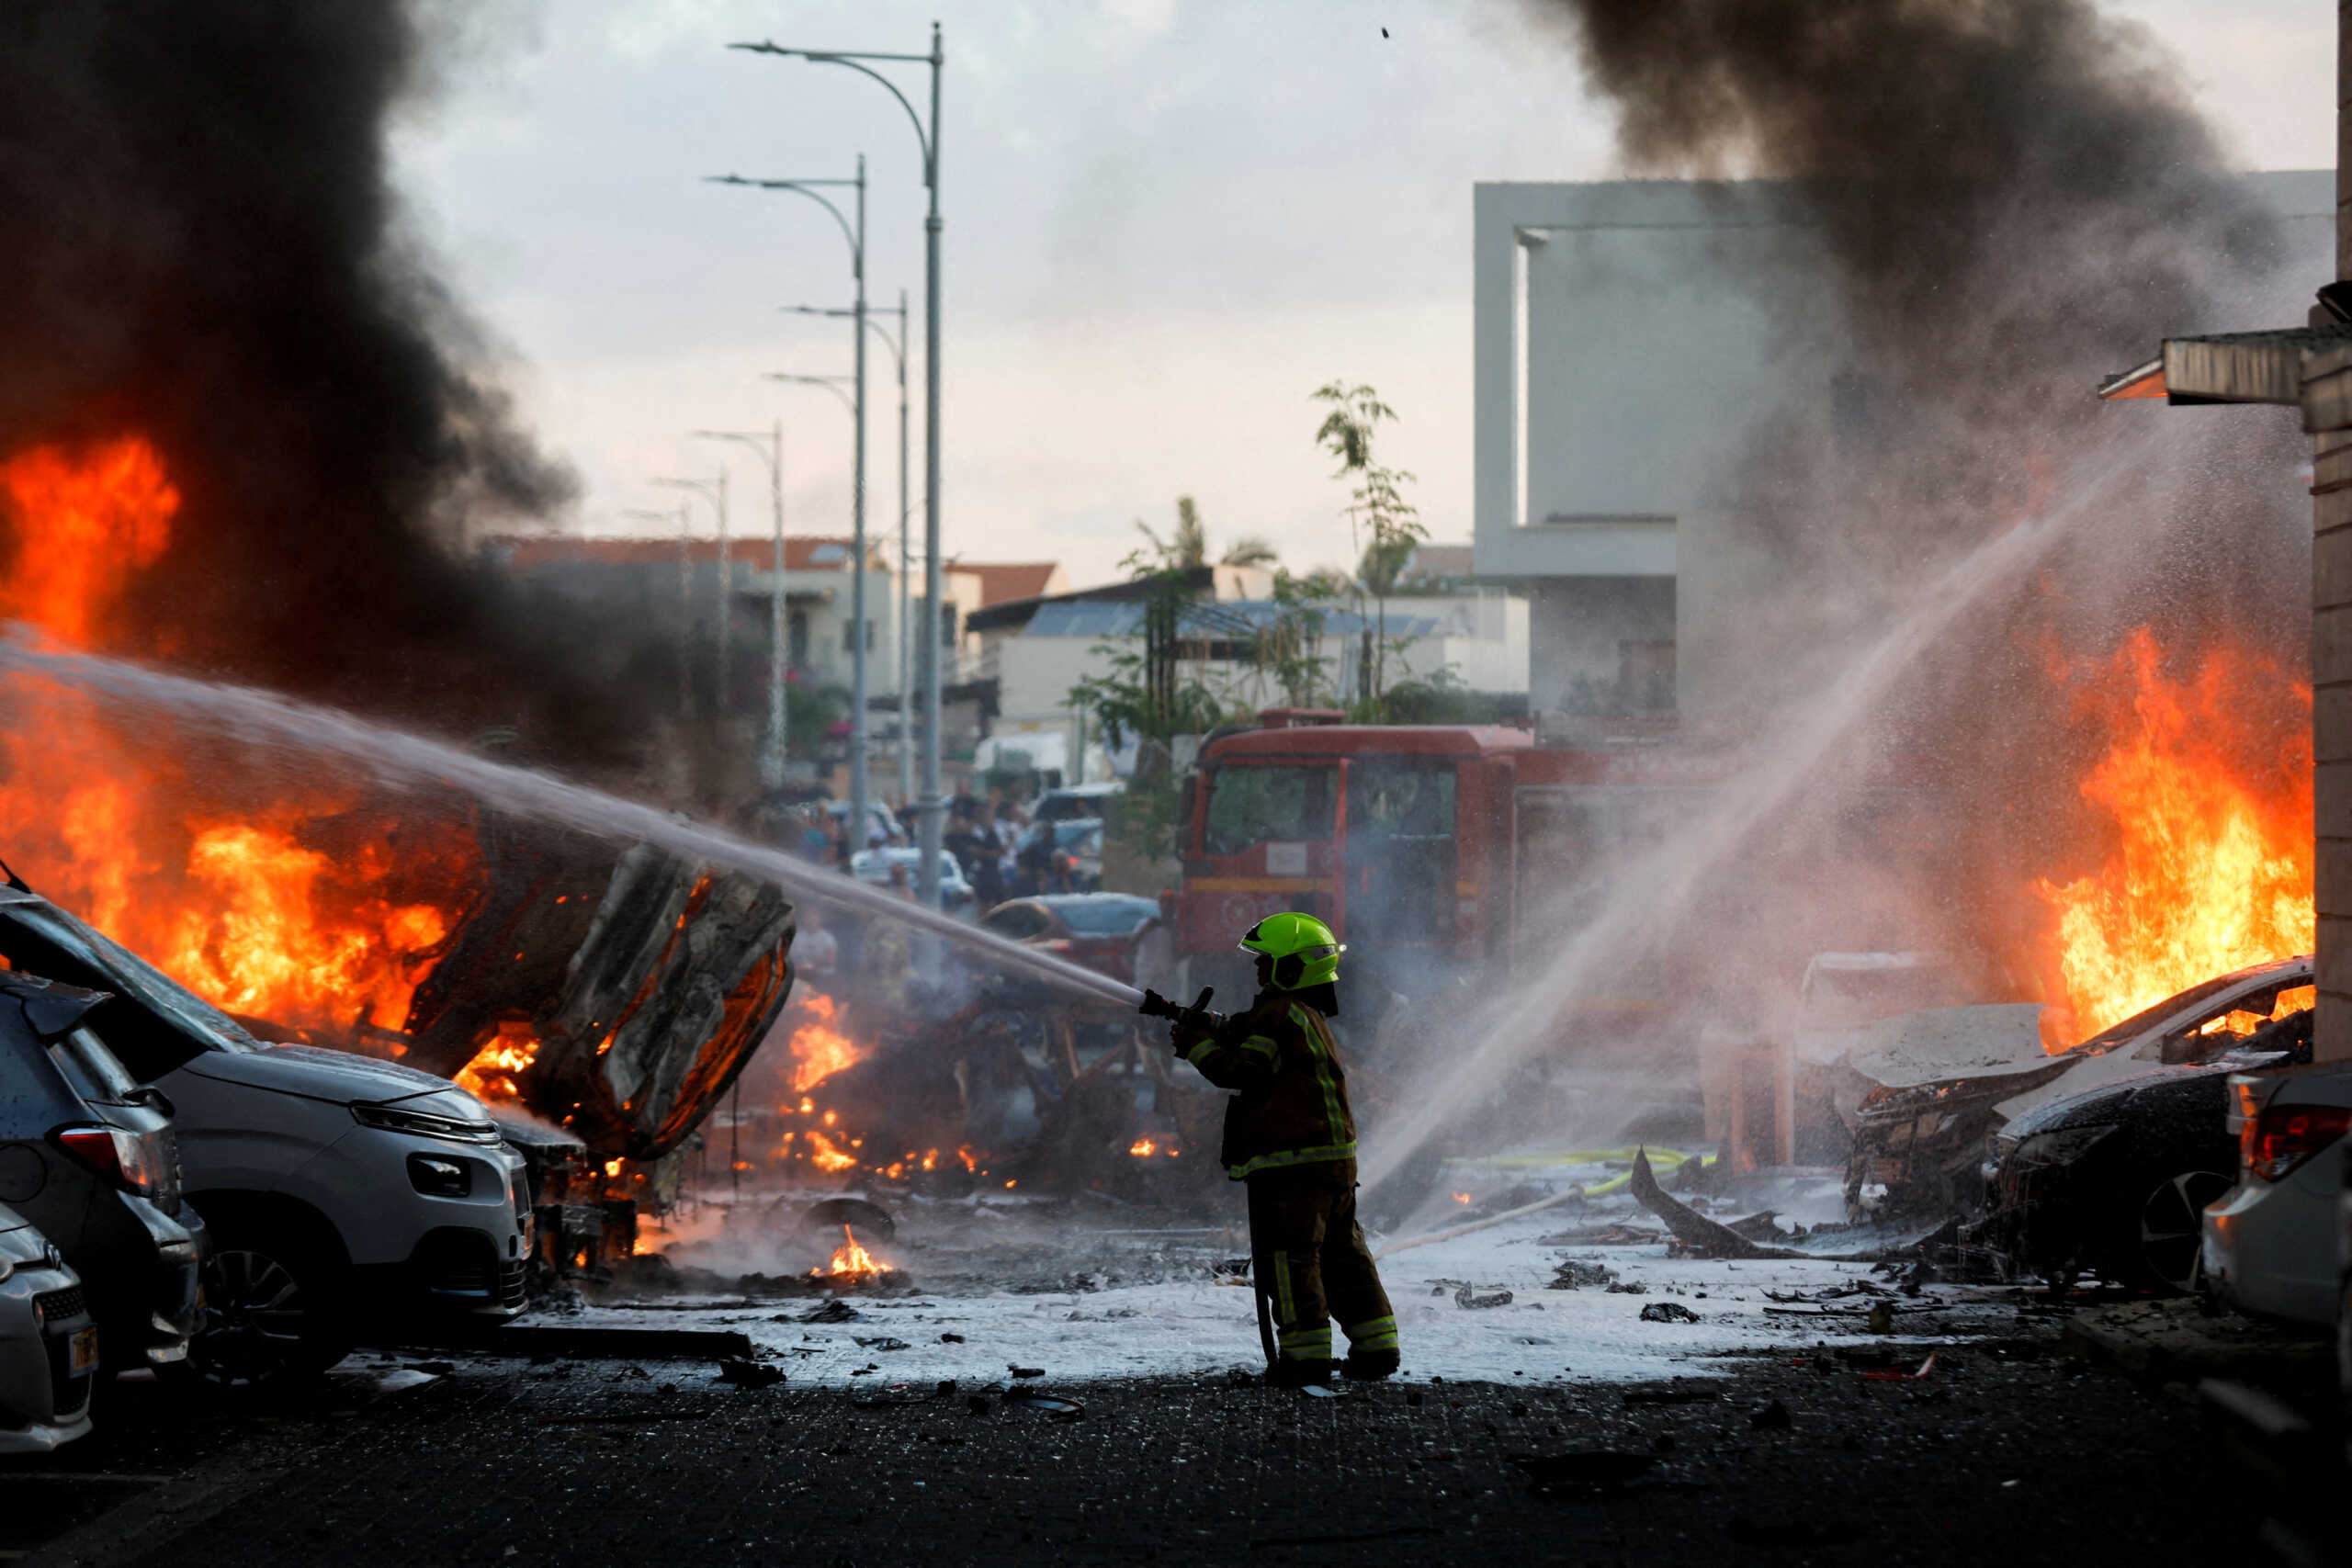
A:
(1166, 222)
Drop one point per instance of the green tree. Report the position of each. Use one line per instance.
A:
(1187, 547)
(1385, 523)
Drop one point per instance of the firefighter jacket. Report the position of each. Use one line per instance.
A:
(1292, 1108)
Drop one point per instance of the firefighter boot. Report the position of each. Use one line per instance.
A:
(1294, 1373)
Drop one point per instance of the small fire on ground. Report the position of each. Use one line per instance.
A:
(851, 1259)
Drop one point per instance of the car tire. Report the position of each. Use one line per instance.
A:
(2155, 1238)
(276, 1308)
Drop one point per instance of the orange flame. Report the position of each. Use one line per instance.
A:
(818, 1050)
(2207, 785)
(86, 523)
(492, 1074)
(244, 907)
(851, 1258)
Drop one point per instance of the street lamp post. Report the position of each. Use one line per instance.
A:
(905, 658)
(928, 139)
(855, 234)
(769, 444)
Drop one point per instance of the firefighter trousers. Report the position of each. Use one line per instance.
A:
(1309, 1256)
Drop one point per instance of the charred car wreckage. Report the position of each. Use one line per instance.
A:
(2099, 1158)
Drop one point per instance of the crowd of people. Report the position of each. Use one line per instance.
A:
(985, 837)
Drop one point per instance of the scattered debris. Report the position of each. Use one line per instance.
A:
(1882, 1319)
(835, 1311)
(1025, 1372)
(951, 1339)
(1061, 1409)
(1890, 1375)
(1668, 1311)
(1627, 1287)
(1463, 1297)
(882, 1342)
(1693, 1230)
(749, 1374)
(1771, 1417)
(829, 1215)
(1575, 1275)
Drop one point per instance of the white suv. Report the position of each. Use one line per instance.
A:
(340, 1192)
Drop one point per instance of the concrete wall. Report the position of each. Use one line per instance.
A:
(2328, 384)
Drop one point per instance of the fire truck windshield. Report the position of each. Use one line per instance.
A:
(1253, 805)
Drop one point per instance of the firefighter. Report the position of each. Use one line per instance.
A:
(1289, 1135)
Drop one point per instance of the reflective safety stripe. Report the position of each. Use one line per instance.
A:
(1260, 1043)
(1292, 1157)
(1285, 1309)
(1374, 1334)
(1306, 1344)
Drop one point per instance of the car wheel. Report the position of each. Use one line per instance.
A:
(271, 1312)
(2163, 1250)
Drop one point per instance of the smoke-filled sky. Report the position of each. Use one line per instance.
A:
(1166, 221)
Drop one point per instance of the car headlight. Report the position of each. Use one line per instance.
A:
(437, 1176)
(2061, 1146)
(423, 1125)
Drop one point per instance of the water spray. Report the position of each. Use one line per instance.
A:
(267, 721)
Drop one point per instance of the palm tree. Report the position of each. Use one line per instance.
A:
(1187, 547)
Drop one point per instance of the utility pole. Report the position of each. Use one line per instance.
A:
(904, 661)
(928, 137)
(684, 519)
(855, 233)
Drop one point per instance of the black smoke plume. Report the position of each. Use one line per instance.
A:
(199, 243)
(2009, 199)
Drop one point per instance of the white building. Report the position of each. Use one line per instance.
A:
(1628, 336)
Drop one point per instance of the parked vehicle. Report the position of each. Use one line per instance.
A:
(1100, 931)
(340, 1190)
(874, 866)
(1061, 856)
(2270, 1242)
(87, 1155)
(1072, 801)
(49, 1342)
(1942, 1082)
(2115, 1181)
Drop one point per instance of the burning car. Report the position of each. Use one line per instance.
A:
(2115, 1179)
(1941, 1082)
(330, 1183)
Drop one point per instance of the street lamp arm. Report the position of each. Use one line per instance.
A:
(847, 402)
(856, 63)
(857, 251)
(873, 320)
(758, 444)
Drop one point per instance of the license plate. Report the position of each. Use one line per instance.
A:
(82, 1352)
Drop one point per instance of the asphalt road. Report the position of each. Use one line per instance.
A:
(2006, 1451)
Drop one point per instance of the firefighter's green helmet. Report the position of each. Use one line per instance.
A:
(1303, 948)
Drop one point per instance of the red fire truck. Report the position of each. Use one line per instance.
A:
(1437, 852)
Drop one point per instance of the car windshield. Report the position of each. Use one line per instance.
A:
(152, 1024)
(1121, 916)
(1254, 805)
(2140, 1022)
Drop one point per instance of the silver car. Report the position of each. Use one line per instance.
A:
(2270, 1242)
(49, 1343)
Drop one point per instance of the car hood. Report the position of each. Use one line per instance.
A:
(1972, 1043)
(21, 1244)
(2091, 1106)
(336, 1075)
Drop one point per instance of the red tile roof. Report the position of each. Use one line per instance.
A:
(1004, 581)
